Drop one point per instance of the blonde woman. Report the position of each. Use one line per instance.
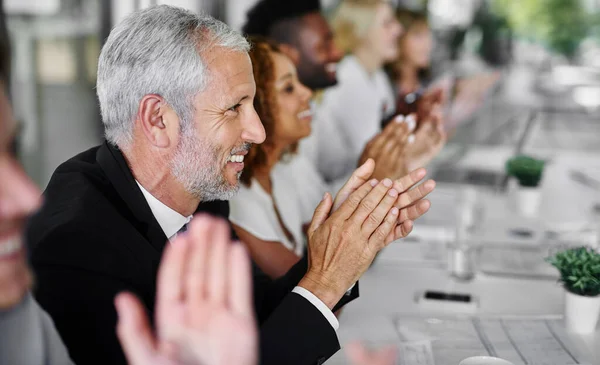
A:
(367, 32)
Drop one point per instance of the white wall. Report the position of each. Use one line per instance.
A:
(236, 10)
(36, 7)
(122, 8)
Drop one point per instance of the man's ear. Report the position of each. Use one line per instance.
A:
(152, 120)
(292, 52)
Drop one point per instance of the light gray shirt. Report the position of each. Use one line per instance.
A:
(28, 337)
(349, 115)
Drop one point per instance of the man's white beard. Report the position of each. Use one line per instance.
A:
(197, 166)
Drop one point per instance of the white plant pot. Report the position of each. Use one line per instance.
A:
(527, 200)
(581, 313)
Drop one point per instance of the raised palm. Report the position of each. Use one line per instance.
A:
(204, 309)
(215, 336)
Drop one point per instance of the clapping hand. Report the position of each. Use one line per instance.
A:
(345, 235)
(429, 139)
(387, 150)
(411, 200)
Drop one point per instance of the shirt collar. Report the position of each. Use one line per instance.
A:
(169, 220)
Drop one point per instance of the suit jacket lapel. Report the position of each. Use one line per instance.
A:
(113, 163)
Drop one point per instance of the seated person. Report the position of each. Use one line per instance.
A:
(197, 326)
(176, 93)
(411, 74)
(367, 32)
(29, 336)
(280, 189)
(28, 333)
(303, 34)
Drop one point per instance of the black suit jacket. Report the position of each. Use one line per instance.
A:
(96, 236)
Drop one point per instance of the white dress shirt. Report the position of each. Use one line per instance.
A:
(348, 117)
(171, 222)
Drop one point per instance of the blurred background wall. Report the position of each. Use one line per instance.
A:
(549, 46)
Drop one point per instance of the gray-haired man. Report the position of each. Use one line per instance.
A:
(176, 92)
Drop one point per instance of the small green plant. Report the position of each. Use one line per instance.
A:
(579, 270)
(527, 170)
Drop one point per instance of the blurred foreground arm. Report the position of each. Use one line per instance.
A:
(204, 312)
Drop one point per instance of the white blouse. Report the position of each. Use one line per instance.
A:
(297, 190)
(348, 117)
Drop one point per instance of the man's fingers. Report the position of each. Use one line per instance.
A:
(196, 275)
(406, 182)
(412, 196)
(414, 211)
(359, 177)
(320, 215)
(171, 278)
(240, 282)
(134, 331)
(379, 238)
(348, 207)
(402, 230)
(381, 211)
(218, 263)
(367, 208)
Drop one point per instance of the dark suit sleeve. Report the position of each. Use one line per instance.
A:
(292, 330)
(78, 277)
(81, 305)
(296, 333)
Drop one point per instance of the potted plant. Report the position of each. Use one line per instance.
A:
(528, 172)
(579, 269)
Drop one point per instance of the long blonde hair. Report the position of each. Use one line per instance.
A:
(351, 22)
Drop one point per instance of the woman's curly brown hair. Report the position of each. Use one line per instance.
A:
(265, 102)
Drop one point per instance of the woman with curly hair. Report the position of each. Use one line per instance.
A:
(280, 189)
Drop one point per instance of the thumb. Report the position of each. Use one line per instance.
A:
(360, 176)
(134, 331)
(321, 214)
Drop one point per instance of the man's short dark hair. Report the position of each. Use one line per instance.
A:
(278, 19)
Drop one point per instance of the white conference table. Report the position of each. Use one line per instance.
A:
(391, 286)
(406, 268)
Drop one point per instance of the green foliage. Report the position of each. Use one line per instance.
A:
(560, 24)
(527, 170)
(579, 270)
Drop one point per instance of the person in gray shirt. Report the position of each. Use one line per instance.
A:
(27, 334)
